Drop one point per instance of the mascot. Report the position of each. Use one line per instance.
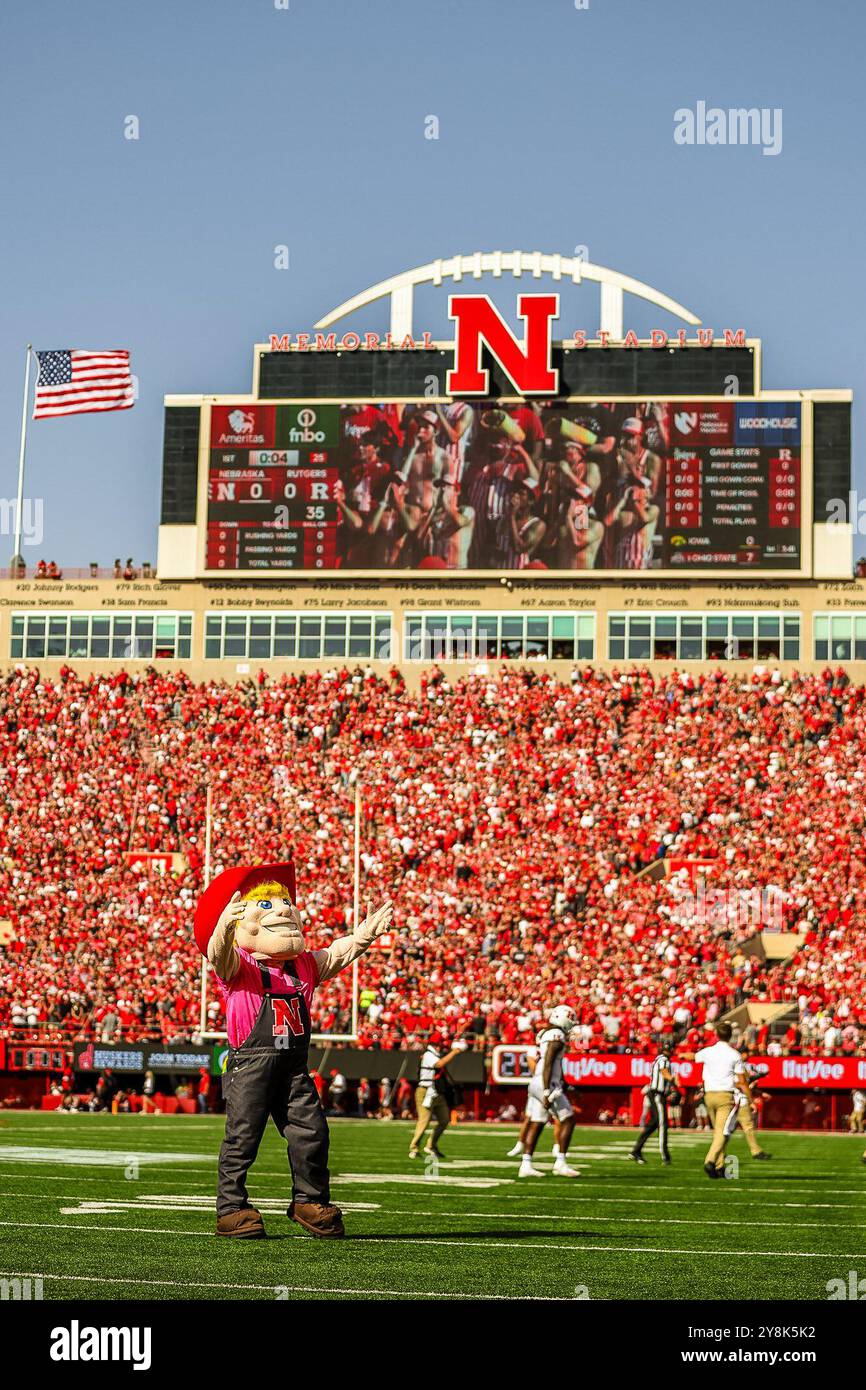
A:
(248, 927)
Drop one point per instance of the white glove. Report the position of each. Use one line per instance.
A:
(374, 924)
(461, 1045)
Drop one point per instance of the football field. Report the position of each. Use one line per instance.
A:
(121, 1207)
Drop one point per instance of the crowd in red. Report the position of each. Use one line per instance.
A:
(507, 816)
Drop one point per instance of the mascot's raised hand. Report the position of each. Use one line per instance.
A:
(374, 924)
(344, 950)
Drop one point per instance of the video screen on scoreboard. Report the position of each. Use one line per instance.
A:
(494, 485)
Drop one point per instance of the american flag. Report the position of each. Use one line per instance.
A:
(72, 381)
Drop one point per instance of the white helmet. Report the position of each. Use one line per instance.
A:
(563, 1017)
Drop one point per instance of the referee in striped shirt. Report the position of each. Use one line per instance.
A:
(661, 1080)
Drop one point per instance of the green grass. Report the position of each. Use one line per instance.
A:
(781, 1229)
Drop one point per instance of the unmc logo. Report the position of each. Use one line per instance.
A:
(686, 420)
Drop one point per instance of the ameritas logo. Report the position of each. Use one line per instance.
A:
(243, 426)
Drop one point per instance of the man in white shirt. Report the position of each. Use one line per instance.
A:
(743, 1116)
(430, 1100)
(724, 1073)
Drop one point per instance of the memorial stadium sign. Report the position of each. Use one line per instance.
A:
(580, 338)
(479, 324)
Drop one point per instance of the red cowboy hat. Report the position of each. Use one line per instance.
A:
(220, 892)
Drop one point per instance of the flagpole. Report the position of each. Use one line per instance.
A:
(21, 455)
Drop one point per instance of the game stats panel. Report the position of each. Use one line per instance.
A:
(740, 502)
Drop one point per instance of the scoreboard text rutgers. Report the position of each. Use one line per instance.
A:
(579, 457)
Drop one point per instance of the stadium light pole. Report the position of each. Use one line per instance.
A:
(22, 451)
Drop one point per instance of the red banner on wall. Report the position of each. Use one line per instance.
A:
(159, 861)
(785, 1073)
(616, 1069)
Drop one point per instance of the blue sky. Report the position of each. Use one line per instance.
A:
(305, 126)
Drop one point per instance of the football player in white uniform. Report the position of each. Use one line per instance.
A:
(520, 1143)
(546, 1096)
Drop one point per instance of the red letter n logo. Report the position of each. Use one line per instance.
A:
(287, 1016)
(527, 366)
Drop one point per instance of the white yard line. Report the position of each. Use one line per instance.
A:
(766, 1191)
(459, 1242)
(653, 1220)
(588, 1200)
(751, 1196)
(275, 1206)
(287, 1288)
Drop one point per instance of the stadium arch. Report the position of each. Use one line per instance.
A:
(613, 285)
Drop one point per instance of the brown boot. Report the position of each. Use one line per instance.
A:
(318, 1219)
(245, 1224)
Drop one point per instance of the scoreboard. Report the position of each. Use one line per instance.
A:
(708, 485)
(270, 488)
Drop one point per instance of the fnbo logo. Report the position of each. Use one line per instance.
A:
(305, 432)
(311, 426)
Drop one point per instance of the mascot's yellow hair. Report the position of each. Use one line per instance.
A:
(265, 890)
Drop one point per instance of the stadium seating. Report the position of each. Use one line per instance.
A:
(510, 816)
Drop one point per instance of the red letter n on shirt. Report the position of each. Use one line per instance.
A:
(287, 1016)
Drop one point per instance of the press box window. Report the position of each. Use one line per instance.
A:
(703, 637)
(102, 636)
(839, 637)
(499, 636)
(289, 637)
